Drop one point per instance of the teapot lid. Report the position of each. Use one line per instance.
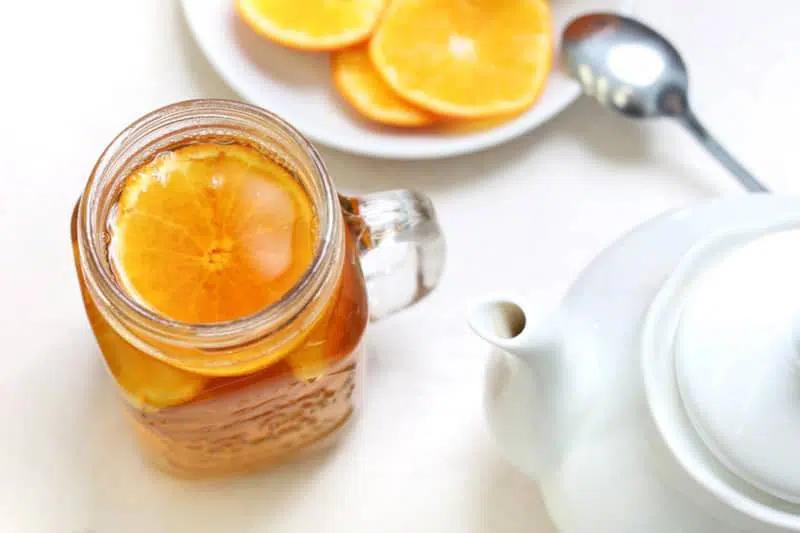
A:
(737, 360)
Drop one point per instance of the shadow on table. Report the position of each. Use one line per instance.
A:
(582, 123)
(506, 501)
(599, 132)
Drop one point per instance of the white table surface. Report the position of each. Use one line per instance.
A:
(526, 216)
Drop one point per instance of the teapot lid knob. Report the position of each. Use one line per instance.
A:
(737, 361)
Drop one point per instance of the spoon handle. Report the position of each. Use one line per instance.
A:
(690, 122)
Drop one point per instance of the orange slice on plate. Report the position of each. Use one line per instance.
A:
(359, 83)
(312, 24)
(465, 58)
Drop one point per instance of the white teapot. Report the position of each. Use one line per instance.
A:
(663, 396)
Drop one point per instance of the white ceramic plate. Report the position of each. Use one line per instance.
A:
(297, 86)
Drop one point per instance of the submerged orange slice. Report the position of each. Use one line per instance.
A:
(146, 382)
(465, 58)
(359, 83)
(211, 233)
(312, 24)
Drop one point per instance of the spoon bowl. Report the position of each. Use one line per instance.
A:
(629, 67)
(625, 65)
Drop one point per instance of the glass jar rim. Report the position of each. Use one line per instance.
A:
(218, 334)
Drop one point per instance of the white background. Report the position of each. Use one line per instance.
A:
(526, 217)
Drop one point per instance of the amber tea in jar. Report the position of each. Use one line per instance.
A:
(222, 278)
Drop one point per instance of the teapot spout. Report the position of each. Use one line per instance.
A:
(507, 324)
(527, 384)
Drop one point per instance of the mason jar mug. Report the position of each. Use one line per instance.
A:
(229, 285)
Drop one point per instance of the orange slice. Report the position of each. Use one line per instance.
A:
(211, 233)
(362, 86)
(146, 382)
(465, 58)
(312, 24)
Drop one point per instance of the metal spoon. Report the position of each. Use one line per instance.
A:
(629, 67)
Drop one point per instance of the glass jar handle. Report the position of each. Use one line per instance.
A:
(401, 245)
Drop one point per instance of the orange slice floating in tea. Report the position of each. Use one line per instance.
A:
(467, 59)
(212, 232)
(312, 24)
(359, 83)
